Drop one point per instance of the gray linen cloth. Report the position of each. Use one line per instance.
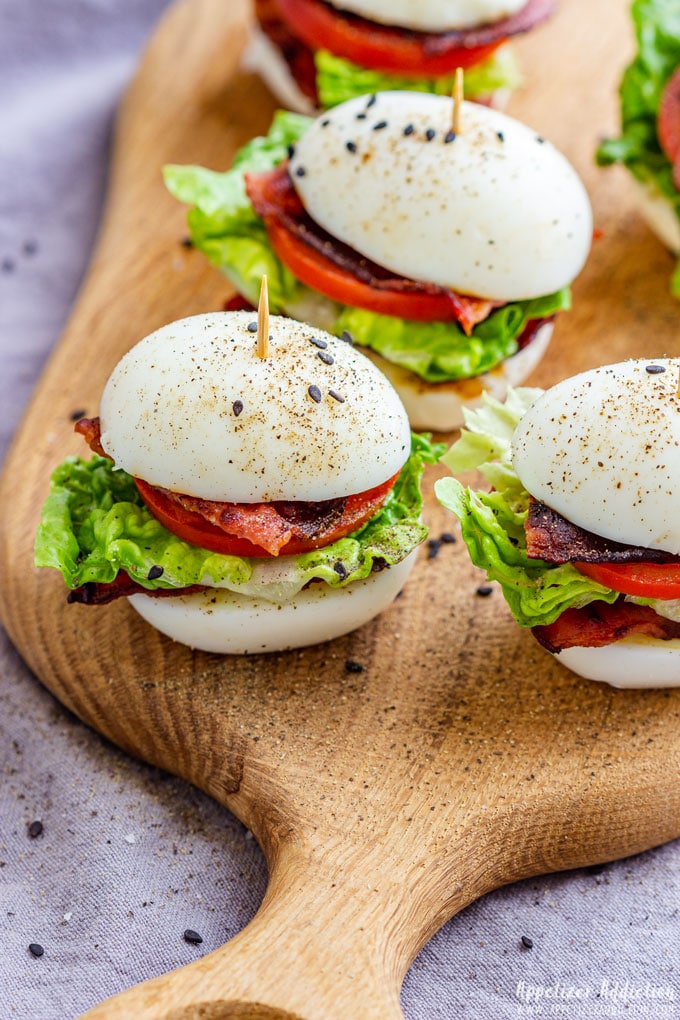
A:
(128, 857)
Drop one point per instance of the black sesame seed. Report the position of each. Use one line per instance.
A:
(430, 134)
(291, 151)
(340, 570)
(347, 336)
(527, 942)
(327, 358)
(361, 116)
(35, 829)
(351, 146)
(409, 129)
(252, 327)
(155, 572)
(372, 100)
(450, 136)
(484, 591)
(77, 415)
(654, 369)
(325, 122)
(186, 242)
(318, 342)
(35, 949)
(352, 666)
(237, 407)
(315, 394)
(540, 140)
(300, 171)
(500, 136)
(336, 396)
(433, 547)
(192, 937)
(380, 125)
(447, 538)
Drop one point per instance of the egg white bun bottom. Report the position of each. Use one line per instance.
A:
(218, 620)
(439, 406)
(262, 57)
(659, 214)
(636, 662)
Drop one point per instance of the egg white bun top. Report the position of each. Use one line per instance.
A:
(495, 211)
(192, 408)
(603, 450)
(432, 15)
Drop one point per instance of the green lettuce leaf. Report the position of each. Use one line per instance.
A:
(94, 524)
(225, 228)
(338, 79)
(657, 30)
(492, 523)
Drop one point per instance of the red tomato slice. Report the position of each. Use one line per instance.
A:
(651, 580)
(319, 273)
(668, 124)
(195, 529)
(380, 47)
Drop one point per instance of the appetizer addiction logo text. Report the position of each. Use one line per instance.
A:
(608, 998)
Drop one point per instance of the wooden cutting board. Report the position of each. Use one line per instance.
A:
(461, 757)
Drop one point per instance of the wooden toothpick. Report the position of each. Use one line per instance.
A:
(263, 321)
(457, 100)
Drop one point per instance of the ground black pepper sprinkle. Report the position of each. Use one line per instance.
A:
(372, 99)
(315, 394)
(447, 538)
(237, 407)
(352, 666)
(252, 327)
(380, 125)
(351, 146)
(430, 134)
(336, 396)
(35, 829)
(77, 415)
(654, 369)
(186, 242)
(318, 342)
(35, 949)
(192, 937)
(527, 942)
(484, 591)
(450, 136)
(340, 570)
(300, 171)
(409, 129)
(433, 547)
(347, 336)
(327, 358)
(155, 572)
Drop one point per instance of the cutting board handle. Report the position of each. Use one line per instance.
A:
(316, 950)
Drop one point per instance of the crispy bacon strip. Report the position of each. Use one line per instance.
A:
(600, 624)
(90, 430)
(297, 55)
(274, 197)
(98, 593)
(553, 538)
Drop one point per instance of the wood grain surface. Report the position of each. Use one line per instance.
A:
(461, 757)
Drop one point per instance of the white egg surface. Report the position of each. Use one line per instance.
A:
(636, 662)
(432, 15)
(494, 211)
(194, 409)
(229, 623)
(603, 450)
